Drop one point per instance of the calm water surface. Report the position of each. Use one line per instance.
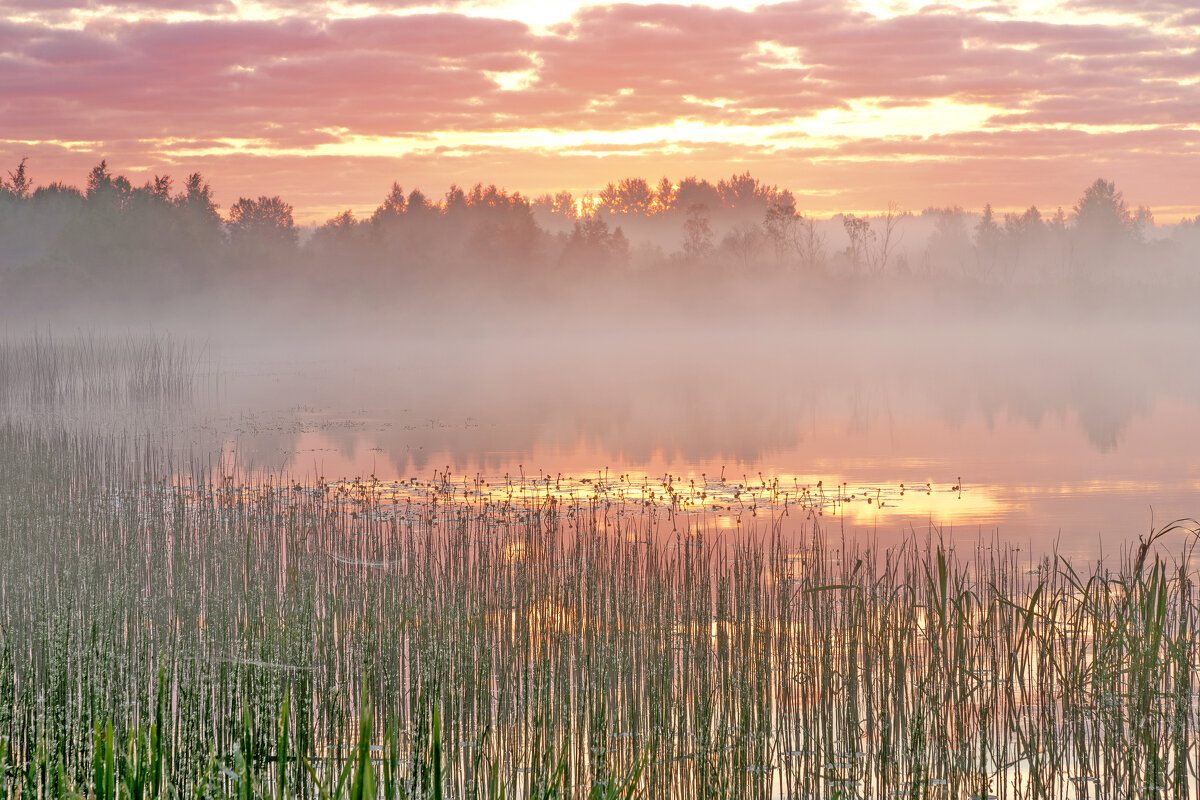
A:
(1080, 436)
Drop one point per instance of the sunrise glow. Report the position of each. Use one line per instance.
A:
(576, 398)
(849, 106)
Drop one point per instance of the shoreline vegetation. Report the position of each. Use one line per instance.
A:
(44, 371)
(690, 245)
(171, 633)
(169, 629)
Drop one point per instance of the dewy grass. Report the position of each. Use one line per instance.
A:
(169, 636)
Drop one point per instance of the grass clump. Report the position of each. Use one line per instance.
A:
(42, 371)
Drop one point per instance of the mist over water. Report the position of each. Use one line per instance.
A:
(1030, 378)
(580, 473)
(1033, 429)
(675, 483)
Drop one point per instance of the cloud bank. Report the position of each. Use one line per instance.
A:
(329, 103)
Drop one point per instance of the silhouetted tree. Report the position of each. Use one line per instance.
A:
(1102, 226)
(1058, 243)
(560, 204)
(17, 185)
(104, 188)
(28, 227)
(949, 246)
(196, 202)
(153, 197)
(103, 246)
(631, 196)
(388, 225)
(890, 236)
(267, 220)
(745, 193)
(1023, 235)
(419, 204)
(779, 224)
(1143, 221)
(591, 244)
(197, 230)
(697, 233)
(159, 188)
(58, 191)
(564, 205)
(498, 225)
(744, 241)
(664, 196)
(1186, 235)
(618, 248)
(693, 192)
(456, 199)
(809, 243)
(608, 200)
(591, 231)
(338, 226)
(392, 207)
(858, 230)
(1101, 212)
(987, 241)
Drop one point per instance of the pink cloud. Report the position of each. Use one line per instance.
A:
(199, 6)
(610, 68)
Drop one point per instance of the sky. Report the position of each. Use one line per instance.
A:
(852, 106)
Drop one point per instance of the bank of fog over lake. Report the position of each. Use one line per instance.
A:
(1029, 370)
(671, 493)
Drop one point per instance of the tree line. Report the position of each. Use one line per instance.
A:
(164, 237)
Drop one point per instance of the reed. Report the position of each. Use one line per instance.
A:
(42, 371)
(169, 634)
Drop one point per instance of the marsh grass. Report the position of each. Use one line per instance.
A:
(47, 372)
(165, 634)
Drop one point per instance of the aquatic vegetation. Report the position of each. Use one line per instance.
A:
(168, 634)
(48, 372)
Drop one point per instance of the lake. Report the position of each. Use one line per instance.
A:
(1075, 435)
(299, 547)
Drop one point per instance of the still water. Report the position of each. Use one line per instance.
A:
(1078, 436)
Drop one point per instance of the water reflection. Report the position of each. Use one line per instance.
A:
(1051, 429)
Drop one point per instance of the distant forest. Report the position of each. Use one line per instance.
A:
(113, 239)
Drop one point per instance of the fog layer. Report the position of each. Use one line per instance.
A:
(1045, 361)
(734, 248)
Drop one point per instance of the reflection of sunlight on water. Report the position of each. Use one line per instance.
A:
(1055, 444)
(516, 553)
(1021, 482)
(727, 502)
(971, 504)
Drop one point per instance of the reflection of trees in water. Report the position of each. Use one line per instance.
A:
(1102, 381)
(630, 419)
(738, 402)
